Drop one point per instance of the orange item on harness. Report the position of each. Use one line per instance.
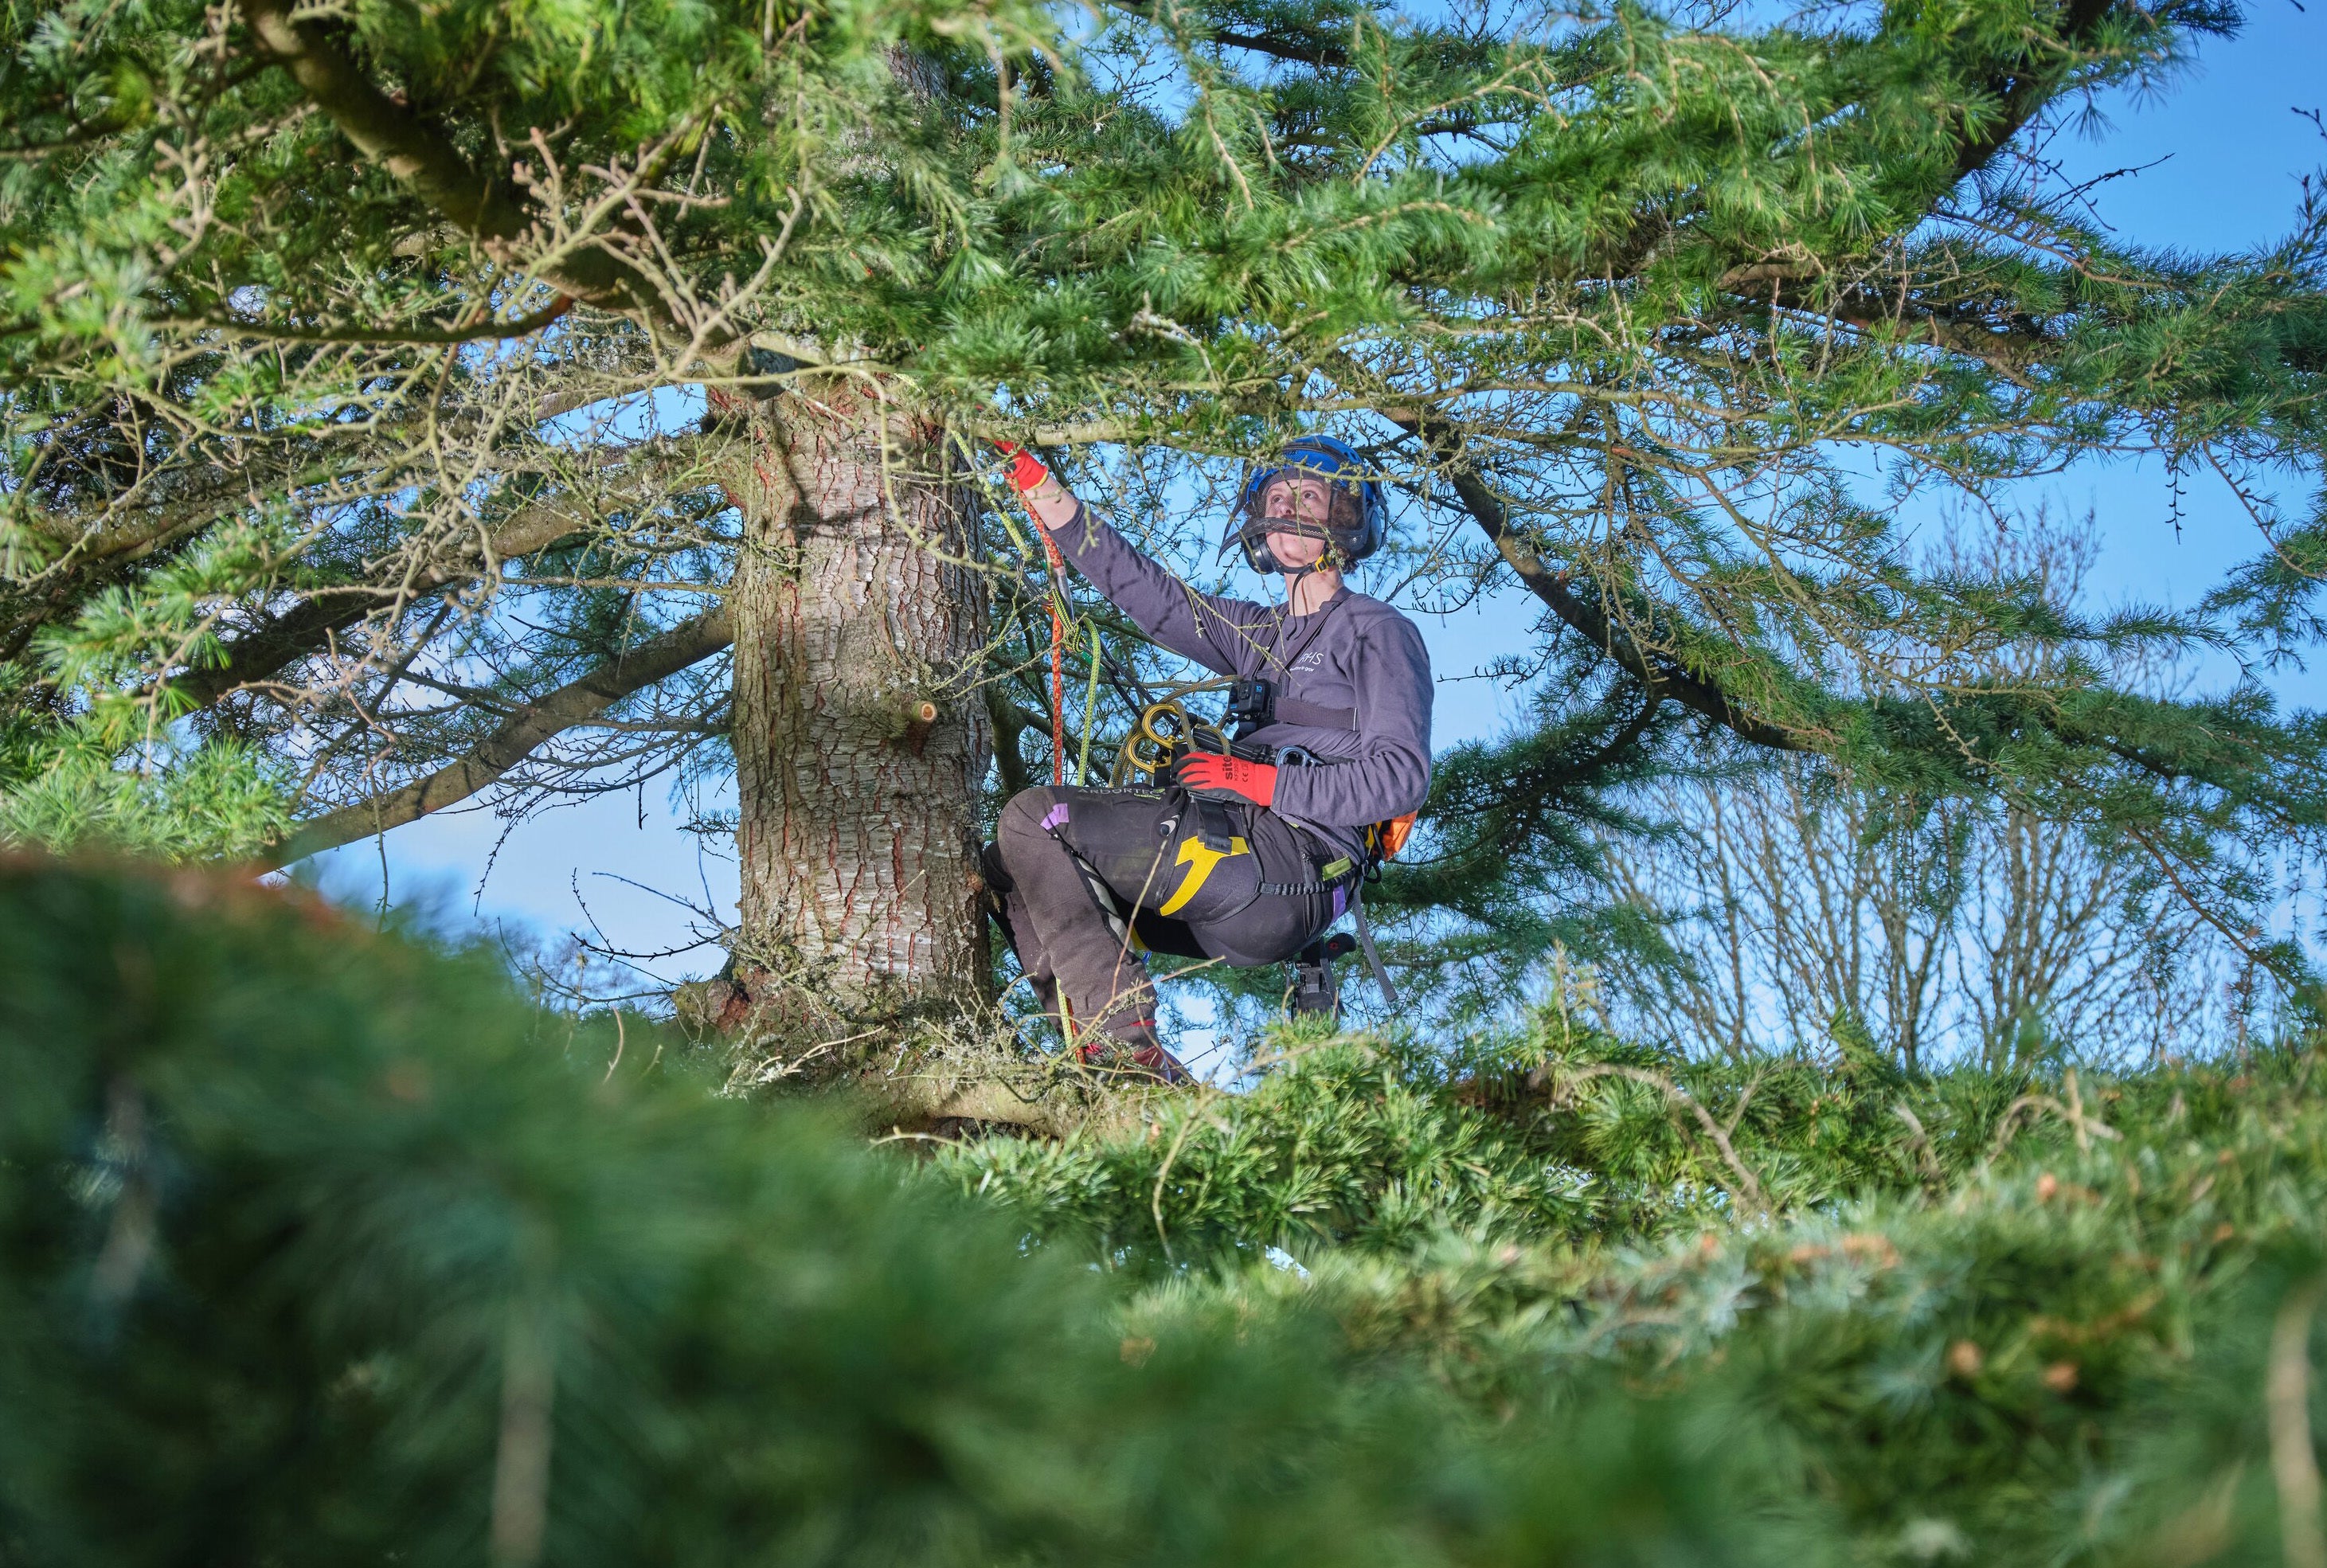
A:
(1392, 834)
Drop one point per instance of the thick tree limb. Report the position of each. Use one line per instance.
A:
(576, 703)
(2020, 94)
(1303, 46)
(426, 162)
(1010, 721)
(2006, 345)
(308, 626)
(1661, 676)
(1305, 52)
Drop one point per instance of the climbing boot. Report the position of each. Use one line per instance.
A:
(997, 887)
(1160, 1065)
(1314, 988)
(1131, 1059)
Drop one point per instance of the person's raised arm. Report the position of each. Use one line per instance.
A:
(1198, 626)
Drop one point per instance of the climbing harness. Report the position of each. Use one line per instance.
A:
(1167, 731)
(1253, 703)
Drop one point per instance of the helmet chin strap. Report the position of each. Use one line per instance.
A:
(1330, 560)
(1330, 556)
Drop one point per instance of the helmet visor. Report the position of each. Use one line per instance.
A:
(1299, 500)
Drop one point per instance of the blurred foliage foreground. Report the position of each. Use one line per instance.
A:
(317, 1246)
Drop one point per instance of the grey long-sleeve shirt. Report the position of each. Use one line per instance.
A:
(1356, 653)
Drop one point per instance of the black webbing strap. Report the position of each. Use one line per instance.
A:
(1330, 875)
(1293, 711)
(1356, 886)
(1366, 944)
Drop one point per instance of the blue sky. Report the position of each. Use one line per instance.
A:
(2218, 155)
(2224, 149)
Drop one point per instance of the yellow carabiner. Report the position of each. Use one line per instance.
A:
(1164, 710)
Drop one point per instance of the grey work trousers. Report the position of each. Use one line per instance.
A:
(1199, 879)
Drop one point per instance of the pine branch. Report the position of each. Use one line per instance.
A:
(1661, 676)
(576, 703)
(308, 626)
(2022, 94)
(424, 161)
(1301, 46)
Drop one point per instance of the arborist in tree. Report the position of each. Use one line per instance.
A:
(1246, 857)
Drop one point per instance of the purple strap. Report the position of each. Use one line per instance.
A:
(1058, 814)
(1340, 900)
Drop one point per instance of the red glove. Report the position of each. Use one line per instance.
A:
(1026, 470)
(1212, 773)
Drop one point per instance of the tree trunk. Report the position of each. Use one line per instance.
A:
(860, 738)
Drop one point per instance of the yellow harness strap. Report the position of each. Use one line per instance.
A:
(1202, 859)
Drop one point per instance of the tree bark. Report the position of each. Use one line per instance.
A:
(860, 740)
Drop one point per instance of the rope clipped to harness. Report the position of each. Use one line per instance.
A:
(1027, 474)
(1058, 658)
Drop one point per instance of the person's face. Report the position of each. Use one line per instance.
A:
(1297, 497)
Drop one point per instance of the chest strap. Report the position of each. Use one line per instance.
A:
(1293, 711)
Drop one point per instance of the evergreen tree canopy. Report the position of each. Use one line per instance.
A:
(382, 384)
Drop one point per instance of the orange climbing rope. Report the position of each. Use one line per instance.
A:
(1026, 473)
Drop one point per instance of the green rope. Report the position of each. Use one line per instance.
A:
(1090, 711)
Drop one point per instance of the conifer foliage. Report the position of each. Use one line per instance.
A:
(314, 1243)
